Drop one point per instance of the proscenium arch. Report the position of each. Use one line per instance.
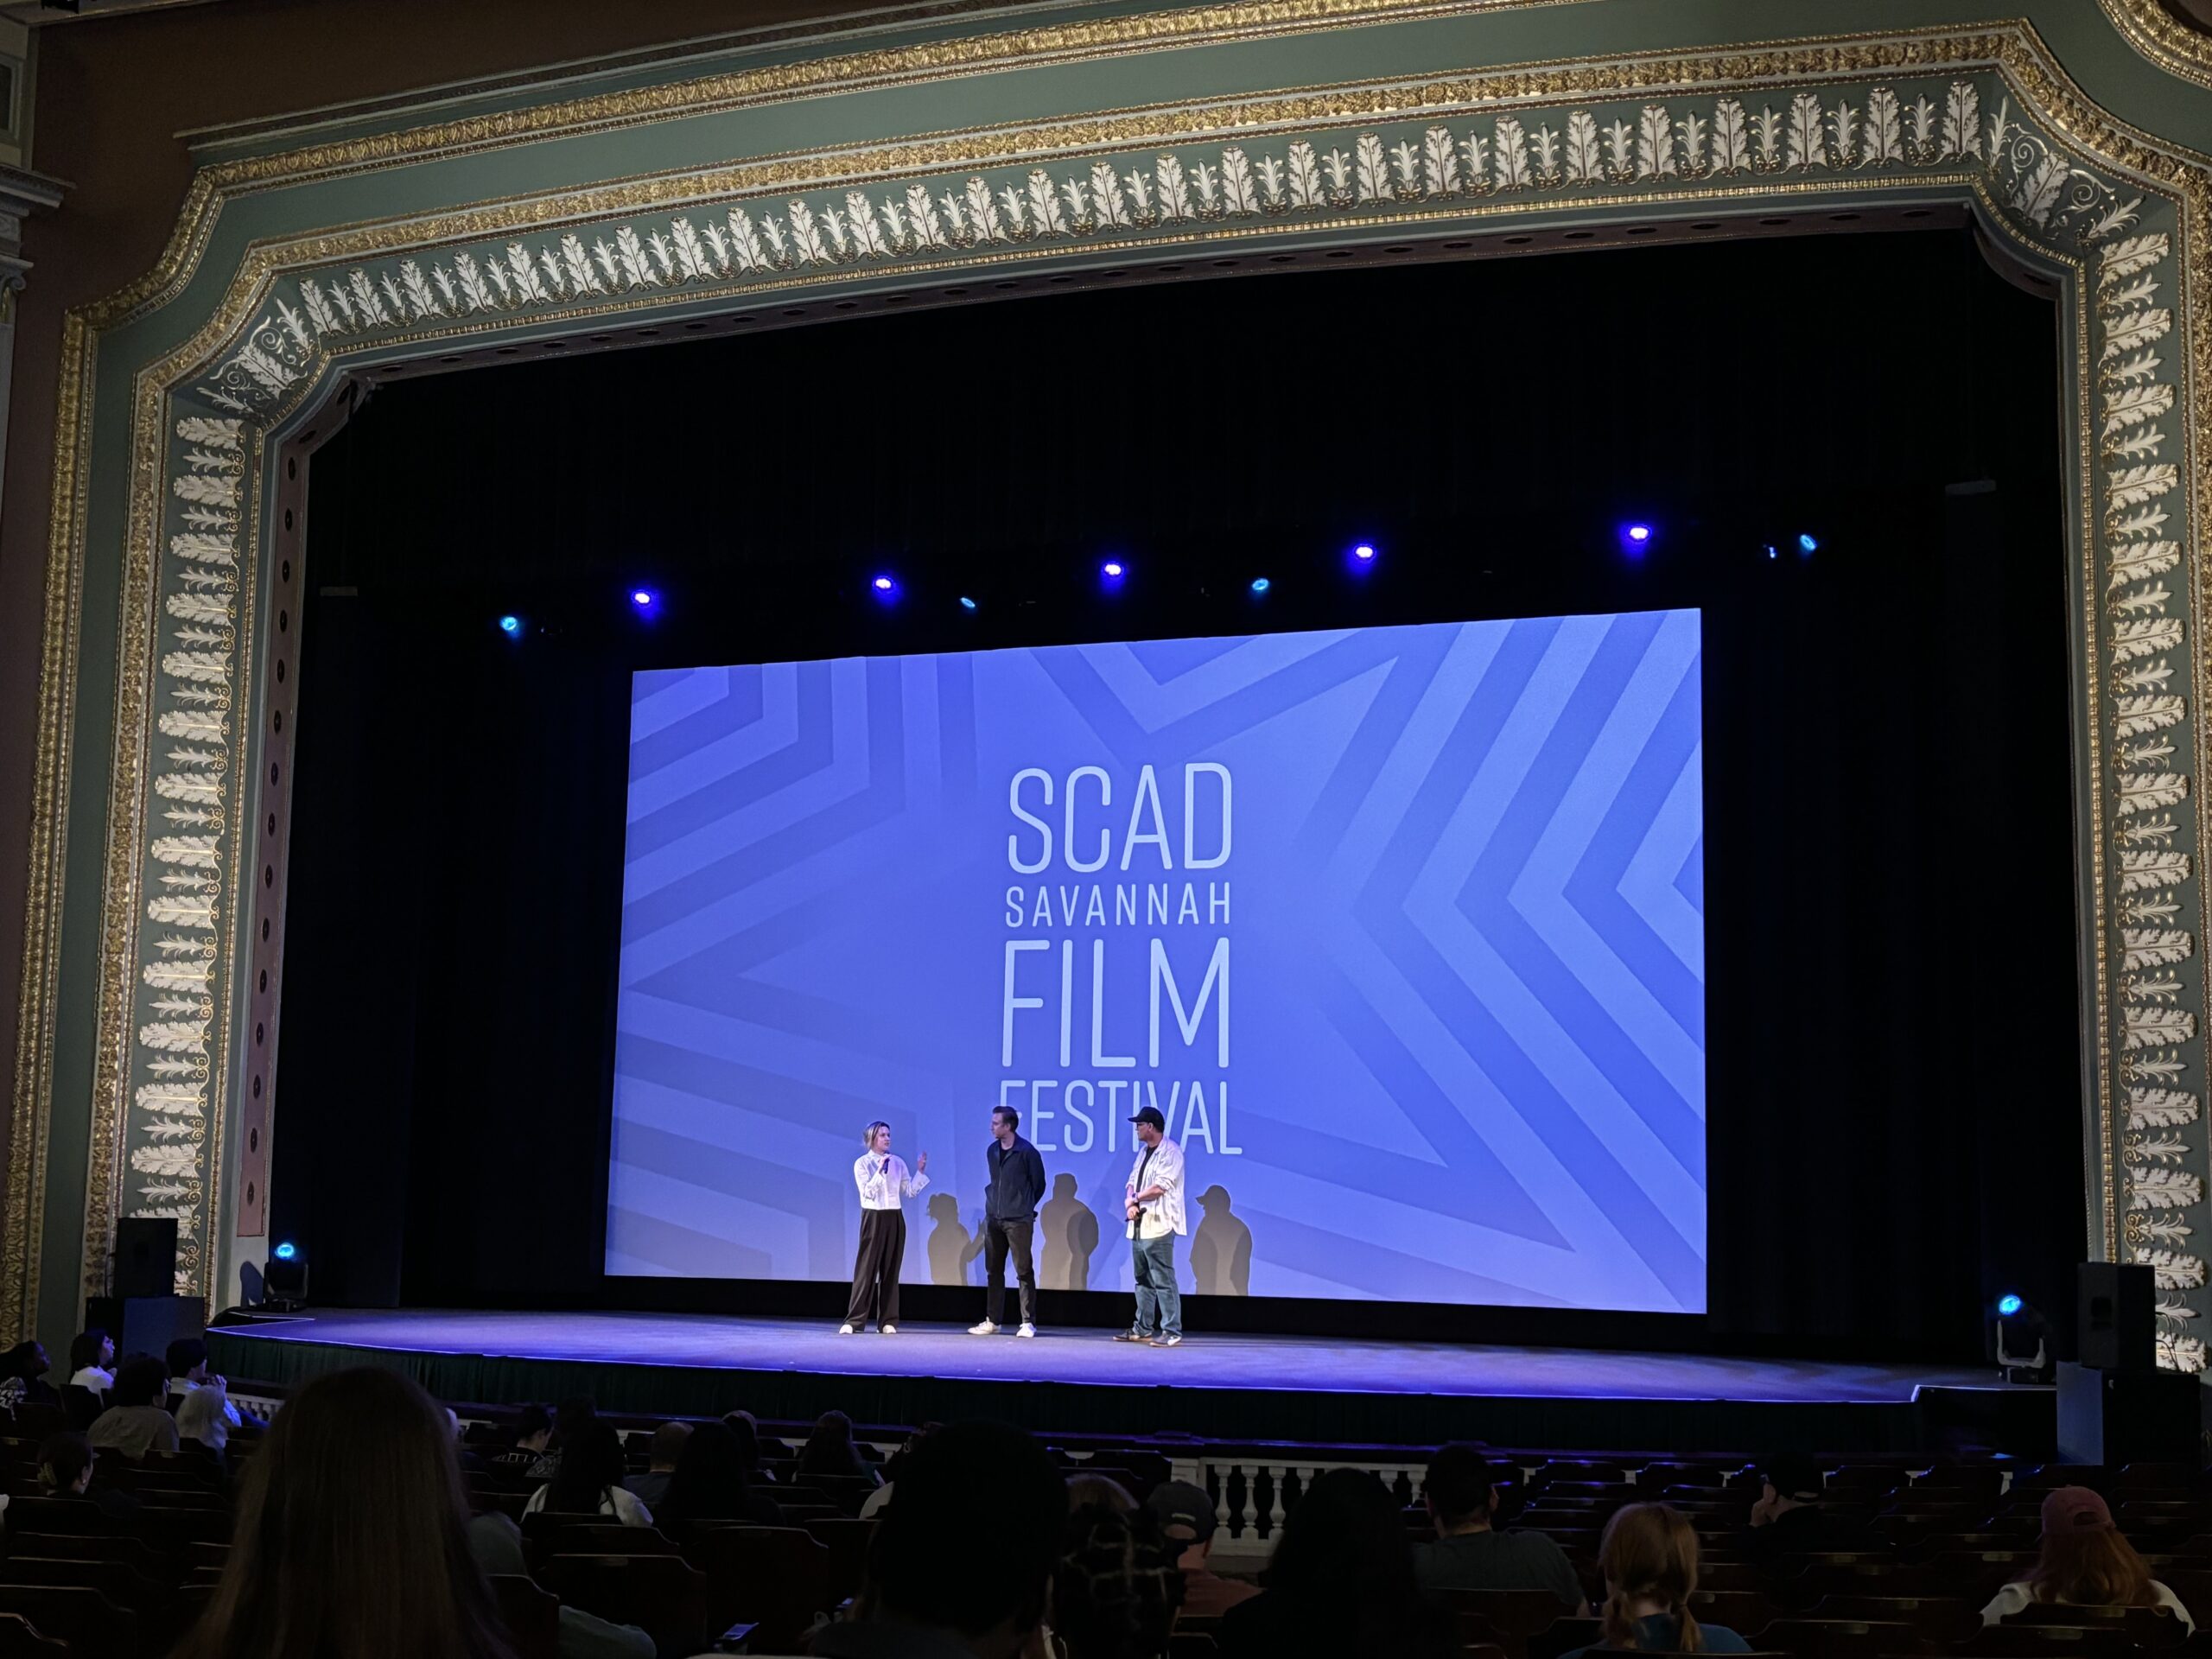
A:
(191, 402)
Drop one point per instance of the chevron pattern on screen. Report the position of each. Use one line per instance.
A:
(1402, 928)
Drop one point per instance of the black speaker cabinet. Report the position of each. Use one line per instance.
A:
(2120, 1417)
(145, 1257)
(2116, 1317)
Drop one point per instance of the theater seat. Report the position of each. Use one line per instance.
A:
(20, 1640)
(93, 1626)
(532, 1617)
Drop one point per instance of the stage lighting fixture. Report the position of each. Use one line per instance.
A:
(511, 625)
(1639, 533)
(1771, 553)
(645, 599)
(885, 589)
(2019, 1341)
(284, 1280)
(1364, 552)
(966, 603)
(1112, 570)
(2008, 1305)
(1806, 544)
(287, 1250)
(1260, 584)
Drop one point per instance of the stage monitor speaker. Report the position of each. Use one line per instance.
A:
(2114, 1418)
(145, 1257)
(2117, 1310)
(146, 1324)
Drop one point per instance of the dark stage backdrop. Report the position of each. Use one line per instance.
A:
(1893, 1044)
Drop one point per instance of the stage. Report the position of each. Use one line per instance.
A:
(1246, 1388)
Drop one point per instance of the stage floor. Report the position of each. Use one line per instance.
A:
(1091, 1358)
(1244, 1386)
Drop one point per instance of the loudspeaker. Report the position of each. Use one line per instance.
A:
(2120, 1417)
(2116, 1317)
(145, 1257)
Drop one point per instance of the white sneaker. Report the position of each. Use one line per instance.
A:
(986, 1329)
(844, 1330)
(1027, 1331)
(887, 1329)
(1166, 1342)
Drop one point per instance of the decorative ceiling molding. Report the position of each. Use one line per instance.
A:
(2178, 47)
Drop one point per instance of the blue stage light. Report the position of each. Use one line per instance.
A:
(2009, 1303)
(1806, 545)
(966, 603)
(1771, 553)
(886, 588)
(1260, 584)
(286, 1251)
(1112, 570)
(1364, 552)
(511, 625)
(644, 598)
(1639, 533)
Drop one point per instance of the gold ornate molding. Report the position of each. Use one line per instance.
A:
(2163, 38)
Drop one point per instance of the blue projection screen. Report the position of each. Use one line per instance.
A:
(1402, 929)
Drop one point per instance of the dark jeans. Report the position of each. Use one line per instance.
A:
(999, 1237)
(1160, 1304)
(875, 1268)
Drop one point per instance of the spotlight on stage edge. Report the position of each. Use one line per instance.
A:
(1112, 572)
(1260, 584)
(1637, 536)
(645, 600)
(1363, 555)
(510, 624)
(885, 589)
(2009, 1303)
(966, 603)
(286, 1251)
(1808, 543)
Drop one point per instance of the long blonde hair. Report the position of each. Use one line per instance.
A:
(1649, 1552)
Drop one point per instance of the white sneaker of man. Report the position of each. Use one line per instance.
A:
(986, 1329)
(1027, 1331)
(844, 1330)
(887, 1329)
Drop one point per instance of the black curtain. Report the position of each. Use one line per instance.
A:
(1893, 1042)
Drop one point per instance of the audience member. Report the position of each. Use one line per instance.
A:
(1115, 1590)
(1341, 1582)
(92, 1360)
(660, 1463)
(1187, 1520)
(932, 1592)
(829, 1450)
(590, 1479)
(204, 1416)
(2085, 1562)
(872, 1504)
(351, 1537)
(710, 1483)
(188, 1372)
(27, 1362)
(65, 1469)
(1469, 1552)
(1648, 1556)
(569, 1418)
(533, 1435)
(496, 1542)
(747, 1430)
(1101, 1492)
(1791, 1516)
(136, 1422)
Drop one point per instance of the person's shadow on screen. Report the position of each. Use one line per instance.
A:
(951, 1249)
(1071, 1236)
(1221, 1255)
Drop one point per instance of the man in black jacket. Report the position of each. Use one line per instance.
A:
(1010, 1201)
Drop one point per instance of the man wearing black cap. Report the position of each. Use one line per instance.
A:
(1187, 1520)
(1155, 1211)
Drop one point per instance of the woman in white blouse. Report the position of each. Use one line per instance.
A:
(882, 1180)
